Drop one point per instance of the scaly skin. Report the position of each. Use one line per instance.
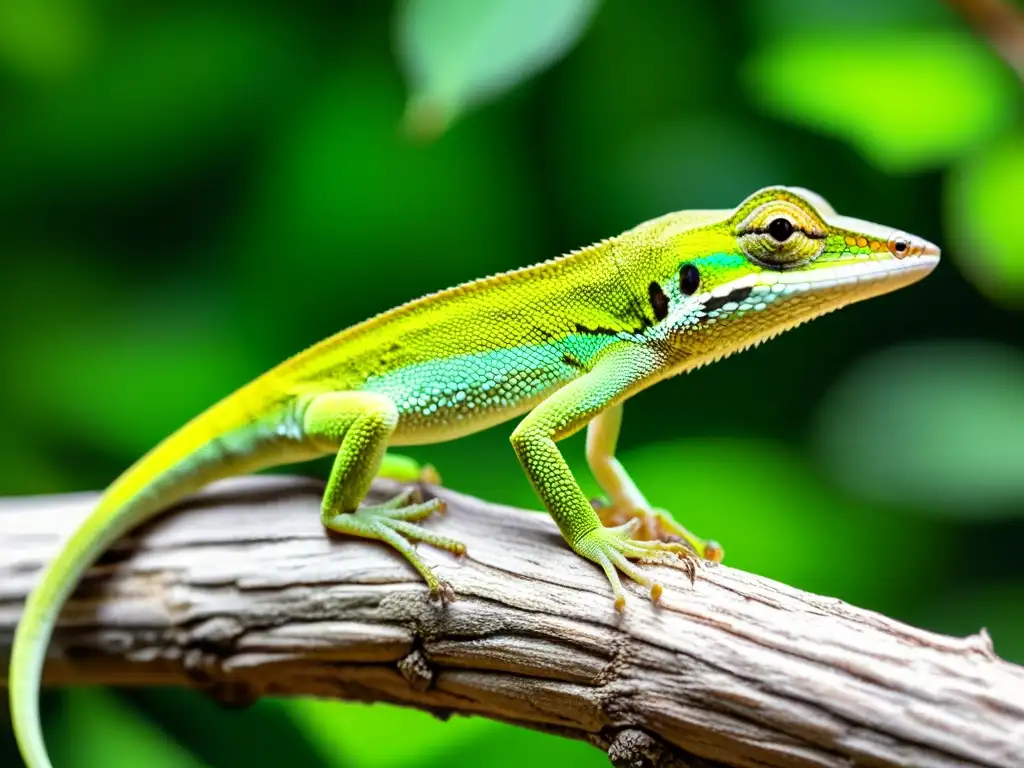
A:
(567, 340)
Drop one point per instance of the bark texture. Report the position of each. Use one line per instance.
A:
(242, 593)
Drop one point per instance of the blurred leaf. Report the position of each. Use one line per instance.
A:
(704, 161)
(148, 103)
(785, 17)
(113, 369)
(94, 728)
(774, 516)
(983, 200)
(363, 740)
(509, 746)
(460, 53)
(620, 131)
(907, 100)
(41, 39)
(227, 737)
(378, 221)
(143, 381)
(936, 426)
(969, 608)
(366, 736)
(26, 468)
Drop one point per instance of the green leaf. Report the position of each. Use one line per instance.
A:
(983, 199)
(227, 737)
(95, 728)
(407, 737)
(938, 426)
(422, 735)
(459, 53)
(905, 99)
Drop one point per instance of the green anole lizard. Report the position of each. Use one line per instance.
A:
(566, 341)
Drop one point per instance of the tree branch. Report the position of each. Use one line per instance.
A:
(242, 593)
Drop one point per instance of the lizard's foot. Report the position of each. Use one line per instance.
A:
(657, 525)
(613, 548)
(395, 522)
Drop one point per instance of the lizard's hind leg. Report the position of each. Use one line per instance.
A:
(626, 502)
(358, 425)
(405, 469)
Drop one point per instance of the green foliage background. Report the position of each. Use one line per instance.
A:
(191, 191)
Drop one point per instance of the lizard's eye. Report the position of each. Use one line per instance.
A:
(781, 234)
(780, 228)
(899, 246)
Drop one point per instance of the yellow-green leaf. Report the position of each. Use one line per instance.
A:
(905, 100)
(423, 736)
(983, 202)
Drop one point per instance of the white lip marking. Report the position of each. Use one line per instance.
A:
(773, 286)
(792, 282)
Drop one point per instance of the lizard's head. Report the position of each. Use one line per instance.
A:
(781, 258)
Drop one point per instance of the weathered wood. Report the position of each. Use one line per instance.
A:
(241, 592)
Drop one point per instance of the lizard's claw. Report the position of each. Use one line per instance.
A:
(713, 551)
(613, 548)
(657, 525)
(443, 592)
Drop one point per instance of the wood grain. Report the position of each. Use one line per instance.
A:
(241, 592)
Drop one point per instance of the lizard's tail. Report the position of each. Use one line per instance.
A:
(219, 443)
(110, 519)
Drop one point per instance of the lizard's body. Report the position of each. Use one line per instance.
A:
(566, 340)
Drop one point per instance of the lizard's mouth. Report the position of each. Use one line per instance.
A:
(852, 269)
(773, 301)
(769, 303)
(845, 279)
(849, 280)
(866, 268)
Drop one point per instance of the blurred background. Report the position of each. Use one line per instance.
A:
(192, 191)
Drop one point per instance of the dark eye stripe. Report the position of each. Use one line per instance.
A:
(717, 302)
(689, 279)
(659, 301)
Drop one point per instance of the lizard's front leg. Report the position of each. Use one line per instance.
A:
(358, 426)
(559, 416)
(626, 500)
